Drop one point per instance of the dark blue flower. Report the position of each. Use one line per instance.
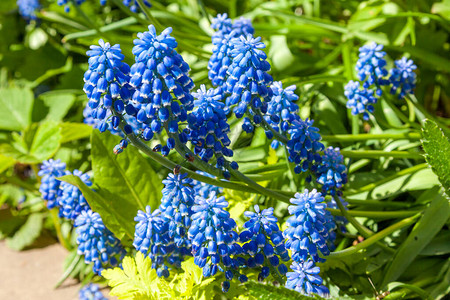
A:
(332, 173)
(161, 80)
(28, 8)
(96, 242)
(205, 190)
(151, 237)
(304, 145)
(207, 125)
(403, 77)
(306, 233)
(91, 291)
(214, 241)
(248, 82)
(263, 242)
(71, 200)
(360, 101)
(305, 279)
(281, 110)
(133, 5)
(371, 66)
(49, 188)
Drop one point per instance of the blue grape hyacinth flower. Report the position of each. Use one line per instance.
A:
(332, 173)
(107, 87)
(98, 245)
(207, 126)
(162, 84)
(49, 187)
(248, 81)
(264, 243)
(151, 237)
(28, 8)
(221, 57)
(305, 279)
(304, 145)
(371, 66)
(360, 101)
(402, 77)
(134, 6)
(214, 241)
(307, 233)
(205, 190)
(71, 200)
(176, 208)
(91, 291)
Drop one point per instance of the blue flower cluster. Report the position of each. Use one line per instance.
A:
(161, 82)
(222, 41)
(50, 186)
(332, 173)
(207, 126)
(304, 145)
(403, 77)
(307, 234)
(91, 292)
(264, 243)
(71, 200)
(214, 240)
(98, 245)
(371, 66)
(106, 86)
(133, 5)
(360, 101)
(305, 279)
(28, 8)
(204, 189)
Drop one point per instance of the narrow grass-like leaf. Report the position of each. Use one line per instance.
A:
(435, 216)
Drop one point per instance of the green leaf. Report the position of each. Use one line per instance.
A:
(442, 8)
(439, 245)
(270, 292)
(53, 106)
(16, 109)
(135, 280)
(434, 218)
(74, 131)
(6, 162)
(437, 149)
(128, 175)
(27, 234)
(107, 206)
(35, 145)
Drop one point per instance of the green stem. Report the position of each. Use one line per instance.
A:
(380, 153)
(365, 137)
(376, 214)
(149, 15)
(68, 271)
(55, 218)
(374, 238)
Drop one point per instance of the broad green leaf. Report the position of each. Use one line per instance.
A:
(437, 149)
(53, 106)
(6, 162)
(16, 105)
(74, 131)
(107, 205)
(440, 245)
(280, 54)
(28, 233)
(35, 145)
(434, 218)
(442, 8)
(128, 175)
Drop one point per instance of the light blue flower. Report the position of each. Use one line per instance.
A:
(332, 173)
(91, 291)
(305, 279)
(360, 101)
(371, 66)
(28, 8)
(49, 187)
(71, 200)
(403, 77)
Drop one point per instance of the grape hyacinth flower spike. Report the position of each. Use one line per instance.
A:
(307, 232)
(106, 86)
(371, 66)
(402, 77)
(207, 126)
(91, 292)
(50, 186)
(360, 101)
(332, 173)
(248, 81)
(214, 241)
(96, 242)
(71, 200)
(305, 279)
(264, 243)
(162, 85)
(151, 237)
